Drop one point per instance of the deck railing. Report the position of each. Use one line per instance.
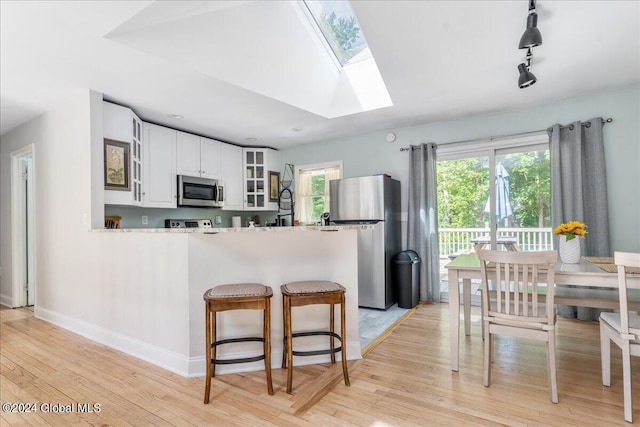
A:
(458, 240)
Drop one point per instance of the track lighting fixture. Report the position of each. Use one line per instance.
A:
(526, 78)
(530, 38)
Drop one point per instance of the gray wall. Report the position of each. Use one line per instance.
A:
(370, 153)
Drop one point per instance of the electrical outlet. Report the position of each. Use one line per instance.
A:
(218, 219)
(145, 220)
(85, 219)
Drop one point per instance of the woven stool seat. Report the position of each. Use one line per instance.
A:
(238, 290)
(309, 292)
(238, 296)
(311, 287)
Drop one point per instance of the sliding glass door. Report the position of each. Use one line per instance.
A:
(497, 197)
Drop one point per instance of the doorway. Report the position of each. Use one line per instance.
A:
(23, 226)
(493, 197)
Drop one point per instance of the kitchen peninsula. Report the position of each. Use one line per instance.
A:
(154, 306)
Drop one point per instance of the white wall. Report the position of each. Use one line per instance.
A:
(370, 154)
(62, 164)
(111, 290)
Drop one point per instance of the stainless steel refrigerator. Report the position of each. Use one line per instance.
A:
(371, 200)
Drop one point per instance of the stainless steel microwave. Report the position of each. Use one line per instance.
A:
(200, 192)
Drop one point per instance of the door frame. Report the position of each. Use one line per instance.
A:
(18, 213)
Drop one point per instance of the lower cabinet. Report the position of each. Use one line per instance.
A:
(159, 154)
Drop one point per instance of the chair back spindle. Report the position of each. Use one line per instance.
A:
(510, 287)
(513, 284)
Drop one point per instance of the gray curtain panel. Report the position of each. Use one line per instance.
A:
(422, 228)
(579, 191)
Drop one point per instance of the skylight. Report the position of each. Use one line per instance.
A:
(339, 26)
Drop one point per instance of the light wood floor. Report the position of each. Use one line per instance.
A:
(405, 380)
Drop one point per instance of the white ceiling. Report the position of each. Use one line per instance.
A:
(440, 60)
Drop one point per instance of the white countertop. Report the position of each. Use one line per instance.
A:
(215, 230)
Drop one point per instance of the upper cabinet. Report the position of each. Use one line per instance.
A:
(257, 163)
(231, 173)
(197, 156)
(123, 129)
(155, 155)
(159, 159)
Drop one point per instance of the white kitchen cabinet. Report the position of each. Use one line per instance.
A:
(231, 173)
(159, 159)
(257, 162)
(197, 156)
(210, 158)
(120, 124)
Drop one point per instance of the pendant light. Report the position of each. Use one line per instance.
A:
(526, 78)
(530, 38)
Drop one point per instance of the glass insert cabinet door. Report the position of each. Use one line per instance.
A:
(254, 178)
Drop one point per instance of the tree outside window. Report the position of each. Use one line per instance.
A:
(312, 192)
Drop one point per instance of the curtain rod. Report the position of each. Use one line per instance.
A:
(491, 138)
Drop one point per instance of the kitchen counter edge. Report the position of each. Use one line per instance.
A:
(236, 229)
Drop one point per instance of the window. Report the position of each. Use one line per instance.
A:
(312, 190)
(339, 27)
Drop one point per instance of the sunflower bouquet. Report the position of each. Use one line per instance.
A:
(571, 229)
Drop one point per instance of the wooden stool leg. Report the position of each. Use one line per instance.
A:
(343, 335)
(287, 311)
(207, 339)
(266, 334)
(284, 338)
(332, 327)
(214, 338)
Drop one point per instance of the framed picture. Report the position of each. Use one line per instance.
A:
(116, 165)
(274, 186)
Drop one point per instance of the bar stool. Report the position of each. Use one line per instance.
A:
(295, 294)
(252, 296)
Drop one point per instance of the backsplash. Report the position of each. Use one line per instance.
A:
(132, 216)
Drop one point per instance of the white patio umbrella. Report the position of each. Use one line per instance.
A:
(503, 204)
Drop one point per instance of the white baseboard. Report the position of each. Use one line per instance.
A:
(6, 300)
(185, 366)
(158, 356)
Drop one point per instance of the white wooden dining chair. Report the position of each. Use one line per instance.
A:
(510, 303)
(622, 328)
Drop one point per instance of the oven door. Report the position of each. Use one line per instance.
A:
(197, 192)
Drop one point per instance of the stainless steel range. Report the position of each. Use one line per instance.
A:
(187, 223)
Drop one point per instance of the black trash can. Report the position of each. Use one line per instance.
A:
(406, 276)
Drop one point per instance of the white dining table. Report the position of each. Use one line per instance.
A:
(467, 266)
